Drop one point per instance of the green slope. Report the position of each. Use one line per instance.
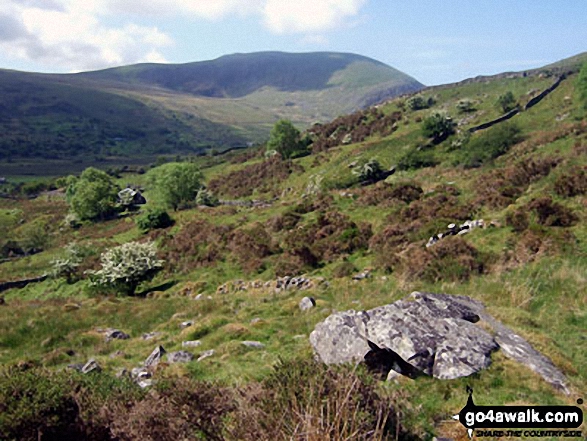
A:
(155, 109)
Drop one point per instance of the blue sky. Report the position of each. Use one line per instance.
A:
(436, 41)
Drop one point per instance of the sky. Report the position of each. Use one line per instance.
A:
(435, 41)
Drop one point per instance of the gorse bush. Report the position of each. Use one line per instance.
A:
(126, 266)
(506, 102)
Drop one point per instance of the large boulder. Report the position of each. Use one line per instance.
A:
(437, 333)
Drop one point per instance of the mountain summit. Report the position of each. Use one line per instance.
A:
(169, 108)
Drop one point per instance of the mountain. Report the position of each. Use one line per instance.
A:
(171, 108)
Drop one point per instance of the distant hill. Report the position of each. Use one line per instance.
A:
(178, 108)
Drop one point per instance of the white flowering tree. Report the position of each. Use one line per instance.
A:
(126, 266)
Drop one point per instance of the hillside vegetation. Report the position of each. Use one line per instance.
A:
(156, 109)
(328, 216)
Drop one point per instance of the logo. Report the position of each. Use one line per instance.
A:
(509, 418)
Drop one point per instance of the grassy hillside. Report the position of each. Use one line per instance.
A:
(169, 109)
(527, 178)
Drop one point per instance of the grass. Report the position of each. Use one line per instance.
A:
(539, 295)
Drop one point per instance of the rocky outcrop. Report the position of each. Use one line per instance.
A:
(437, 333)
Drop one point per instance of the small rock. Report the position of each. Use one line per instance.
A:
(145, 383)
(307, 303)
(362, 275)
(299, 336)
(69, 307)
(140, 373)
(255, 321)
(117, 354)
(150, 335)
(116, 334)
(75, 366)
(186, 324)
(91, 366)
(253, 344)
(199, 297)
(180, 357)
(191, 344)
(122, 372)
(155, 356)
(206, 354)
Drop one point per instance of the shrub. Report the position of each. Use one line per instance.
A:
(69, 265)
(206, 198)
(438, 126)
(126, 266)
(465, 106)
(572, 183)
(418, 102)
(491, 144)
(176, 184)
(33, 237)
(506, 102)
(552, 214)
(154, 218)
(92, 196)
(370, 172)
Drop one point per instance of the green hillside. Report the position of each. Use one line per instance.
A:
(152, 109)
(324, 217)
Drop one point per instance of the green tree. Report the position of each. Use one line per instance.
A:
(284, 139)
(92, 196)
(506, 102)
(176, 183)
(438, 126)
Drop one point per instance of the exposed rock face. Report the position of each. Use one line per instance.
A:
(436, 332)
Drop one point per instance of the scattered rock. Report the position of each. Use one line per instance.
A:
(115, 334)
(91, 366)
(205, 354)
(256, 320)
(199, 297)
(454, 230)
(145, 383)
(180, 357)
(436, 333)
(117, 354)
(140, 373)
(186, 324)
(150, 335)
(122, 373)
(280, 284)
(75, 366)
(362, 275)
(155, 356)
(307, 303)
(191, 344)
(253, 344)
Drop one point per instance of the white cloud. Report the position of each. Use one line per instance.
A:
(78, 35)
(70, 36)
(308, 16)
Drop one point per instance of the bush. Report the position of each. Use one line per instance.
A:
(438, 126)
(491, 144)
(69, 265)
(206, 198)
(154, 218)
(506, 102)
(465, 106)
(176, 184)
(418, 102)
(369, 172)
(518, 220)
(92, 196)
(126, 266)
